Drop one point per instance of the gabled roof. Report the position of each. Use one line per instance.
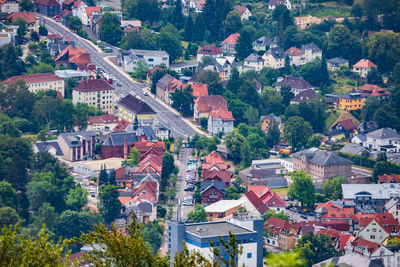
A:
(225, 176)
(170, 83)
(332, 233)
(208, 103)
(150, 164)
(361, 242)
(219, 166)
(45, 146)
(264, 40)
(295, 83)
(151, 158)
(311, 46)
(383, 133)
(147, 190)
(199, 89)
(108, 118)
(389, 178)
(210, 50)
(93, 86)
(117, 139)
(231, 39)
(385, 220)
(344, 239)
(276, 224)
(144, 145)
(89, 10)
(276, 52)
(253, 57)
(121, 126)
(364, 64)
(352, 149)
(240, 10)
(294, 51)
(320, 157)
(78, 3)
(330, 210)
(224, 114)
(256, 202)
(213, 157)
(372, 90)
(207, 185)
(29, 17)
(47, 2)
(348, 124)
(135, 105)
(306, 95)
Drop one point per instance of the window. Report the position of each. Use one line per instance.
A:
(372, 237)
(249, 255)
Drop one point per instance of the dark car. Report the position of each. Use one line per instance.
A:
(311, 213)
(301, 212)
(303, 216)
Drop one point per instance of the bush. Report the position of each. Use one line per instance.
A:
(43, 31)
(161, 212)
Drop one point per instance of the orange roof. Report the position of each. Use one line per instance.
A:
(199, 90)
(344, 239)
(372, 90)
(147, 190)
(29, 17)
(213, 157)
(151, 158)
(332, 233)
(224, 176)
(92, 9)
(121, 126)
(144, 145)
(144, 168)
(34, 78)
(210, 102)
(331, 210)
(364, 64)
(259, 190)
(124, 200)
(224, 114)
(294, 51)
(232, 39)
(83, 58)
(71, 52)
(388, 178)
(108, 118)
(385, 220)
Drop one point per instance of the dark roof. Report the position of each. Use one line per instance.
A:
(210, 50)
(117, 139)
(337, 61)
(320, 157)
(45, 146)
(75, 138)
(253, 57)
(264, 40)
(367, 126)
(312, 46)
(276, 2)
(47, 2)
(205, 185)
(276, 52)
(93, 85)
(136, 105)
(140, 176)
(351, 95)
(352, 149)
(383, 133)
(295, 83)
(348, 124)
(145, 207)
(305, 95)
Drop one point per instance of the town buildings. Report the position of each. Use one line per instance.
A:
(297, 84)
(363, 67)
(243, 12)
(228, 45)
(254, 62)
(384, 139)
(263, 44)
(336, 63)
(272, 4)
(32, 23)
(9, 6)
(166, 86)
(97, 93)
(372, 90)
(102, 122)
(77, 146)
(351, 101)
(131, 108)
(40, 82)
(274, 58)
(220, 121)
(49, 8)
(209, 51)
(152, 58)
(205, 104)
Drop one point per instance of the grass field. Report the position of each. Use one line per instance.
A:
(344, 85)
(282, 192)
(331, 119)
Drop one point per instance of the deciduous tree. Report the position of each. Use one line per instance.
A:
(302, 189)
(109, 204)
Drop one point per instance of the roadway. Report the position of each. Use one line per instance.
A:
(165, 115)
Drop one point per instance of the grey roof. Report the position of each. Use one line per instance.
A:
(391, 203)
(351, 95)
(338, 61)
(320, 157)
(253, 57)
(383, 133)
(375, 191)
(143, 130)
(295, 83)
(74, 138)
(276, 2)
(151, 53)
(264, 40)
(145, 207)
(214, 229)
(352, 259)
(45, 146)
(204, 185)
(362, 137)
(276, 52)
(367, 126)
(306, 95)
(117, 139)
(135, 105)
(352, 149)
(311, 46)
(124, 193)
(273, 117)
(140, 178)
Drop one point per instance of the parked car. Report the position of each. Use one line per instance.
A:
(188, 201)
(145, 93)
(301, 212)
(311, 213)
(119, 84)
(189, 187)
(303, 216)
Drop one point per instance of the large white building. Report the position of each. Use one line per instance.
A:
(42, 81)
(151, 58)
(220, 121)
(384, 139)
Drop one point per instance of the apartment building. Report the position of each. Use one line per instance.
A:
(42, 81)
(97, 93)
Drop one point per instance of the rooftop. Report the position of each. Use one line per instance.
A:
(29, 17)
(295, 83)
(93, 85)
(210, 229)
(231, 39)
(375, 191)
(96, 165)
(294, 51)
(108, 118)
(364, 64)
(320, 157)
(306, 95)
(383, 133)
(276, 52)
(34, 78)
(153, 53)
(311, 46)
(224, 205)
(135, 105)
(210, 50)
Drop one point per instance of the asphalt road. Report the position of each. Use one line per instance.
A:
(168, 118)
(181, 183)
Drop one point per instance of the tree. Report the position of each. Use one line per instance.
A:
(273, 213)
(383, 50)
(8, 195)
(75, 24)
(380, 168)
(182, 101)
(357, 11)
(177, 16)
(155, 77)
(302, 189)
(46, 215)
(188, 30)
(316, 73)
(285, 259)
(314, 140)
(245, 154)
(8, 216)
(386, 117)
(252, 116)
(282, 15)
(26, 5)
(133, 158)
(153, 233)
(211, 78)
(203, 123)
(170, 43)
(297, 131)
(168, 165)
(141, 70)
(232, 23)
(273, 135)
(110, 28)
(373, 76)
(287, 94)
(197, 215)
(64, 116)
(233, 142)
(316, 248)
(333, 188)
(145, 10)
(109, 204)
(243, 47)
(77, 198)
(342, 43)
(73, 223)
(42, 30)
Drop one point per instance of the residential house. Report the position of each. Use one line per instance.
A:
(77, 146)
(373, 90)
(311, 52)
(334, 216)
(243, 11)
(198, 236)
(268, 120)
(367, 127)
(150, 147)
(51, 147)
(274, 58)
(345, 126)
(66, 15)
(272, 4)
(197, 5)
(9, 6)
(162, 132)
(280, 234)
(149, 167)
(67, 5)
(384, 139)
(388, 256)
(296, 56)
(388, 179)
(269, 174)
(297, 84)
(263, 44)
(224, 209)
(74, 58)
(209, 51)
(147, 192)
(32, 23)
(224, 65)
(118, 145)
(102, 122)
(336, 63)
(8, 34)
(56, 44)
(152, 58)
(220, 121)
(304, 22)
(92, 168)
(211, 192)
(363, 67)
(166, 86)
(351, 101)
(228, 45)
(199, 89)
(40, 82)
(131, 25)
(78, 9)
(49, 8)
(352, 259)
(217, 176)
(254, 205)
(361, 246)
(269, 197)
(89, 14)
(321, 164)
(378, 228)
(254, 62)
(130, 108)
(205, 104)
(304, 96)
(393, 207)
(97, 93)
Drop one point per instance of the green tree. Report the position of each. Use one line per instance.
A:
(243, 47)
(21, 23)
(380, 168)
(383, 50)
(232, 23)
(297, 131)
(170, 43)
(252, 116)
(73, 223)
(285, 259)
(177, 16)
(316, 248)
(273, 213)
(145, 10)
(273, 135)
(75, 24)
(386, 116)
(141, 70)
(157, 75)
(199, 214)
(282, 15)
(8, 194)
(133, 158)
(333, 188)
(203, 123)
(8, 216)
(153, 233)
(245, 154)
(168, 165)
(110, 28)
(287, 94)
(26, 5)
(109, 204)
(211, 78)
(188, 31)
(46, 215)
(182, 101)
(342, 43)
(302, 189)
(233, 142)
(77, 198)
(314, 140)
(64, 116)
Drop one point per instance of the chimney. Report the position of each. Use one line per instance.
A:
(125, 148)
(325, 152)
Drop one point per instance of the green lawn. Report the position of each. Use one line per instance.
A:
(331, 119)
(321, 11)
(344, 85)
(282, 192)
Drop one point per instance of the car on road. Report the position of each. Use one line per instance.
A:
(107, 49)
(145, 93)
(119, 84)
(304, 216)
(188, 201)
(301, 212)
(92, 194)
(189, 187)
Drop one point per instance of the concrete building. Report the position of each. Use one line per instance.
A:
(131, 108)
(77, 146)
(97, 93)
(40, 82)
(152, 58)
(93, 167)
(9, 6)
(197, 236)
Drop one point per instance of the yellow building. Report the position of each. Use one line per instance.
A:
(274, 58)
(97, 93)
(351, 101)
(130, 106)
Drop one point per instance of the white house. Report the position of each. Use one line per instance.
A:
(311, 52)
(296, 56)
(152, 58)
(272, 4)
(78, 9)
(254, 62)
(220, 120)
(93, 167)
(384, 139)
(243, 11)
(393, 207)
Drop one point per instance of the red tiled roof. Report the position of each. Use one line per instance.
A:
(348, 125)
(306, 223)
(334, 211)
(124, 200)
(150, 72)
(147, 190)
(47, 2)
(344, 239)
(272, 199)
(274, 223)
(213, 157)
(108, 118)
(240, 10)
(259, 190)
(67, 2)
(29, 17)
(144, 145)
(332, 233)
(385, 220)
(388, 178)
(224, 114)
(225, 176)
(77, 4)
(35, 78)
(220, 166)
(92, 9)
(261, 207)
(53, 36)
(151, 158)
(121, 126)
(71, 51)
(93, 85)
(231, 39)
(294, 51)
(372, 90)
(210, 102)
(361, 242)
(144, 168)
(83, 58)
(199, 90)
(364, 64)
(211, 50)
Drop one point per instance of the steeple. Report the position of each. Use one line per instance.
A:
(135, 123)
